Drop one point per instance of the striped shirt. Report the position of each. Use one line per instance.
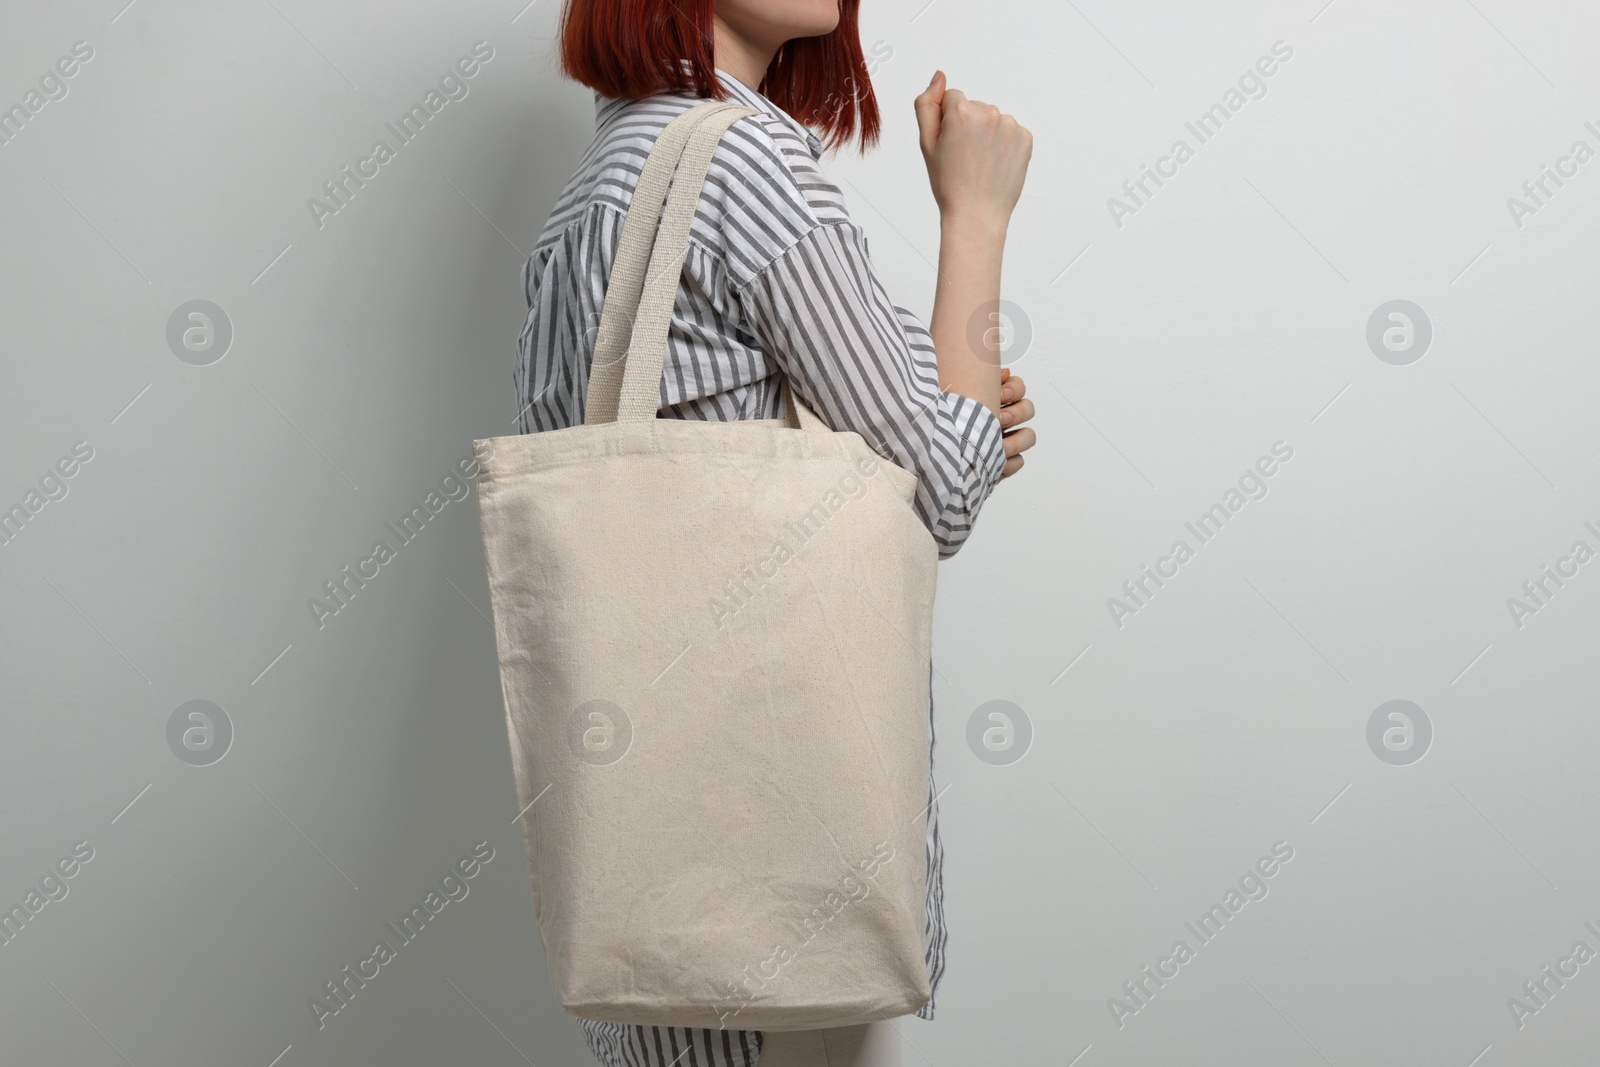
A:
(776, 281)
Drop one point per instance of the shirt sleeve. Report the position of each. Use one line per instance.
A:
(866, 365)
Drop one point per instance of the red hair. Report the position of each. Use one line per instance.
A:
(634, 48)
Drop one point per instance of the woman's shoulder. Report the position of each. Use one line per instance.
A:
(763, 188)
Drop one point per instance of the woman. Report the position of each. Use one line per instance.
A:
(777, 281)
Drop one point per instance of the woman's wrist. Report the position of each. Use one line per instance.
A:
(983, 226)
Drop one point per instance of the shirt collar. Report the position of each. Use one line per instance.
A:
(737, 91)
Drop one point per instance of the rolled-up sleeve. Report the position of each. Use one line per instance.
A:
(864, 364)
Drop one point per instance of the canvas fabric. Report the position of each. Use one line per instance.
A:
(713, 642)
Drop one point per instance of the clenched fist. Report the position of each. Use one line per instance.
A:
(977, 155)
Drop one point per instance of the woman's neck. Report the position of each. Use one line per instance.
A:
(740, 54)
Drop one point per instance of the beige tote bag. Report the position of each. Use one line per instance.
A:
(713, 642)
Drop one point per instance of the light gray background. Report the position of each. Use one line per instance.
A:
(1168, 354)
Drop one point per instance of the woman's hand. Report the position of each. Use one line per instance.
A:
(1015, 409)
(977, 156)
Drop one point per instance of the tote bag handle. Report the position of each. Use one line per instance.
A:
(630, 347)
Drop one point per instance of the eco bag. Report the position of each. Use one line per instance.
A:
(713, 643)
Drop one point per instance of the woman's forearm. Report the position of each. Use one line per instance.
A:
(965, 324)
